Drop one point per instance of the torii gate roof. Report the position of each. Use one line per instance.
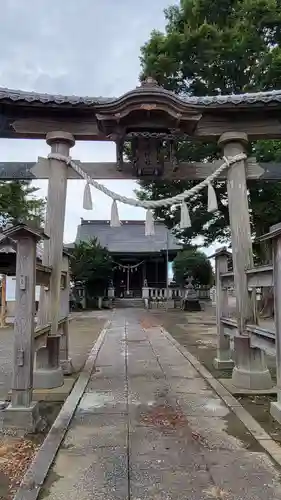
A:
(259, 99)
(149, 106)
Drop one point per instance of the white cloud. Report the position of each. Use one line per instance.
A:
(84, 47)
(69, 47)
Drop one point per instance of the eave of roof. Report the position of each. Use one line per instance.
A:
(25, 97)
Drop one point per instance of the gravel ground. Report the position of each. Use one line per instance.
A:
(202, 342)
(16, 454)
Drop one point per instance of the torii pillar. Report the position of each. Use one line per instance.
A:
(48, 372)
(250, 371)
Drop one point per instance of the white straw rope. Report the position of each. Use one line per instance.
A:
(190, 193)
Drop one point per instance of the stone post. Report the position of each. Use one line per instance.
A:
(250, 371)
(48, 372)
(3, 312)
(65, 361)
(111, 290)
(145, 289)
(23, 413)
(223, 359)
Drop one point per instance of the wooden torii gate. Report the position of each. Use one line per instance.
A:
(149, 117)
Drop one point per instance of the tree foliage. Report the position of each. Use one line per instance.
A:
(91, 264)
(17, 202)
(195, 263)
(232, 47)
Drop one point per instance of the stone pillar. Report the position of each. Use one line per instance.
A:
(65, 361)
(275, 235)
(250, 371)
(223, 359)
(22, 413)
(111, 292)
(3, 312)
(48, 372)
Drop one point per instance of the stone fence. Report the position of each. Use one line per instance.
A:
(257, 338)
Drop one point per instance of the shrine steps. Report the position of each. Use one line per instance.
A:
(121, 303)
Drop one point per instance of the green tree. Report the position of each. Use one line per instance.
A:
(17, 202)
(193, 262)
(232, 47)
(91, 264)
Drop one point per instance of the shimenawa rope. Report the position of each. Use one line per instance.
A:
(151, 204)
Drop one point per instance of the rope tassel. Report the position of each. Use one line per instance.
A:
(185, 221)
(212, 199)
(115, 221)
(149, 224)
(87, 198)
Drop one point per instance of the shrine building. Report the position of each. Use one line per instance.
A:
(140, 261)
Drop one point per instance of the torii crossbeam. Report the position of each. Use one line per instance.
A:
(107, 170)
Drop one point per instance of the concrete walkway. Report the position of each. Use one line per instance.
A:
(149, 427)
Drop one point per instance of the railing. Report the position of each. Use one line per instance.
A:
(258, 277)
(261, 336)
(155, 293)
(248, 329)
(161, 293)
(43, 275)
(41, 333)
(203, 293)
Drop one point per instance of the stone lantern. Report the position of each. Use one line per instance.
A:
(190, 301)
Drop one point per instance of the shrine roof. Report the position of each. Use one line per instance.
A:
(30, 97)
(128, 238)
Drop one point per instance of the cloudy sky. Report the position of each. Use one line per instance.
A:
(85, 47)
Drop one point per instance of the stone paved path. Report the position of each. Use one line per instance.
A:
(149, 427)
(81, 339)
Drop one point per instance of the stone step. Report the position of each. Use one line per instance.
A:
(124, 303)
